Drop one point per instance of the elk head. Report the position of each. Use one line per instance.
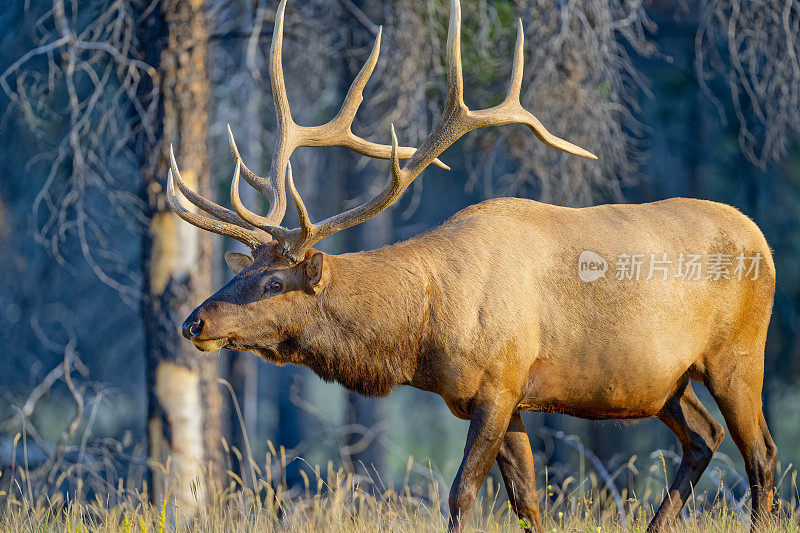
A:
(260, 309)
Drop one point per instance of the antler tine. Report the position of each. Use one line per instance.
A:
(204, 204)
(515, 86)
(457, 119)
(339, 130)
(313, 233)
(397, 184)
(355, 94)
(274, 217)
(295, 242)
(245, 236)
(273, 186)
(278, 232)
(455, 76)
(279, 96)
(510, 111)
(307, 228)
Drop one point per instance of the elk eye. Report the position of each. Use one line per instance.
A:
(275, 286)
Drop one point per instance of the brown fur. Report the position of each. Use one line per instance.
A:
(488, 311)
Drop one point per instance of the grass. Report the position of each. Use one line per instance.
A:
(81, 496)
(332, 500)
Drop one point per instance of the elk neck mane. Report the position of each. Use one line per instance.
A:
(368, 327)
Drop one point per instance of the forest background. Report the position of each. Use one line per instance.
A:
(677, 98)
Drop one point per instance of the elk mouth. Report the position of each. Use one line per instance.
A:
(210, 345)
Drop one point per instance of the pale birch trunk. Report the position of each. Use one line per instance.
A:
(184, 399)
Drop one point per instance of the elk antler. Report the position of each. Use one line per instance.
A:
(290, 135)
(456, 120)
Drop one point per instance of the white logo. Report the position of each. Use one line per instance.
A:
(591, 266)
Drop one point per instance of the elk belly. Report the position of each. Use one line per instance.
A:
(597, 392)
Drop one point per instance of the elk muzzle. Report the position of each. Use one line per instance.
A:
(192, 329)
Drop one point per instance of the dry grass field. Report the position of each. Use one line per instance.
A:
(331, 500)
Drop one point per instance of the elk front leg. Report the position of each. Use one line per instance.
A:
(515, 460)
(486, 430)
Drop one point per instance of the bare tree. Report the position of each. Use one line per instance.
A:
(87, 71)
(123, 72)
(753, 49)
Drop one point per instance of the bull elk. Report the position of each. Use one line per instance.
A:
(489, 311)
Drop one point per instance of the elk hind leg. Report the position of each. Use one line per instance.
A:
(700, 436)
(515, 460)
(738, 395)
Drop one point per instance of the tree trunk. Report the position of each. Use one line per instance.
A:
(184, 399)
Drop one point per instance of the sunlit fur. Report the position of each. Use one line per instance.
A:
(489, 312)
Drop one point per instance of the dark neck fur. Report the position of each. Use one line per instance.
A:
(367, 328)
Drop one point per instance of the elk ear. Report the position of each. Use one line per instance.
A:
(313, 268)
(237, 262)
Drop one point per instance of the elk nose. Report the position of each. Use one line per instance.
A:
(192, 327)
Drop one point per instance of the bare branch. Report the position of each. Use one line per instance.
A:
(754, 50)
(95, 67)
